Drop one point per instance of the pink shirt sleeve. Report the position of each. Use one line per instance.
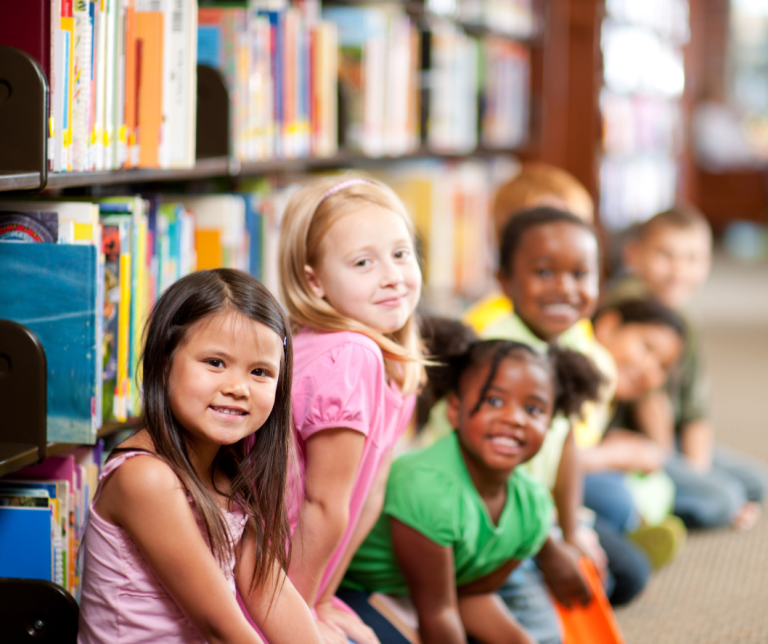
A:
(342, 387)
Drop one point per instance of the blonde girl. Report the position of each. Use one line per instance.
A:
(350, 279)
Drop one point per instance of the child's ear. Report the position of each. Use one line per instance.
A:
(606, 326)
(314, 281)
(504, 278)
(630, 254)
(452, 412)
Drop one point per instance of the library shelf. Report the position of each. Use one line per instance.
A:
(226, 167)
(14, 456)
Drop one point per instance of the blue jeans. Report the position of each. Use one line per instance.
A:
(713, 499)
(525, 594)
(607, 495)
(628, 566)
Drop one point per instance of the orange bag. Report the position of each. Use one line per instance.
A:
(595, 623)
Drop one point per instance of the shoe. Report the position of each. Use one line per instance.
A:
(663, 542)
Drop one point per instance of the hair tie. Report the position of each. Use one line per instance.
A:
(341, 186)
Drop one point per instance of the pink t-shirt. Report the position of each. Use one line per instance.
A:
(339, 381)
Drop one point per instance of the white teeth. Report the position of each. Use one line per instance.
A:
(558, 309)
(506, 441)
(233, 412)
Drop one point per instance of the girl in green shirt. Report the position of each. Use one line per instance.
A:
(458, 517)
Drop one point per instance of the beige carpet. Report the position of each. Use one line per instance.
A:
(716, 592)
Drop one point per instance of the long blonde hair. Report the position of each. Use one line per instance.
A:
(308, 217)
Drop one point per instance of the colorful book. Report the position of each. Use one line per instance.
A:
(51, 289)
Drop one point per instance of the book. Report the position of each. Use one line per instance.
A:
(149, 31)
(29, 226)
(26, 542)
(51, 289)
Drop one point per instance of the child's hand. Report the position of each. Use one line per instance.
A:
(559, 564)
(587, 542)
(331, 634)
(633, 452)
(351, 626)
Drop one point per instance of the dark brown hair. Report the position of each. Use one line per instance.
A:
(257, 465)
(575, 378)
(524, 221)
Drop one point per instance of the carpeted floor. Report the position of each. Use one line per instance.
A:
(716, 592)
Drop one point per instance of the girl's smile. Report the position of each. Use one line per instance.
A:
(367, 269)
(222, 380)
(553, 280)
(508, 426)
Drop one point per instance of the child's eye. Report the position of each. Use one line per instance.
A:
(402, 254)
(544, 273)
(362, 262)
(215, 362)
(494, 401)
(261, 373)
(534, 410)
(580, 275)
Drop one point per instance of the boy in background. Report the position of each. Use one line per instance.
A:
(669, 258)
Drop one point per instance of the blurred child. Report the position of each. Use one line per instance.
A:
(460, 515)
(350, 280)
(645, 340)
(669, 258)
(191, 507)
(537, 184)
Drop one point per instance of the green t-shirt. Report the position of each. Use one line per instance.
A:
(431, 491)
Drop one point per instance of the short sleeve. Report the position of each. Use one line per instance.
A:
(536, 512)
(424, 500)
(342, 387)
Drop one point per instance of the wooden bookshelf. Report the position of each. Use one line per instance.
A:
(226, 167)
(14, 456)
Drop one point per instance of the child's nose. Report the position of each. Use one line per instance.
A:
(391, 274)
(236, 385)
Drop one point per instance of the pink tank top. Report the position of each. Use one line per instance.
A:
(122, 600)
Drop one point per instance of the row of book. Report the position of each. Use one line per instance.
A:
(513, 17)
(668, 18)
(86, 279)
(280, 65)
(471, 81)
(43, 513)
(123, 78)
(640, 123)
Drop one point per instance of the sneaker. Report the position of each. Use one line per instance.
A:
(663, 542)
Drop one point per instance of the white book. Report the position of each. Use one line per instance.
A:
(81, 87)
(100, 79)
(110, 87)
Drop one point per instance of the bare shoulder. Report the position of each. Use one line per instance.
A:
(142, 476)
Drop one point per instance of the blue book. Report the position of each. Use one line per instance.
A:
(51, 289)
(253, 223)
(26, 546)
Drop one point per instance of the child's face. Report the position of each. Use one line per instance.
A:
(644, 354)
(553, 280)
(223, 378)
(674, 262)
(368, 269)
(509, 426)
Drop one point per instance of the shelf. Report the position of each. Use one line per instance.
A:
(14, 456)
(225, 167)
(19, 181)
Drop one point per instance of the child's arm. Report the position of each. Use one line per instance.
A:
(624, 451)
(559, 563)
(569, 497)
(333, 457)
(147, 500)
(428, 571)
(655, 417)
(284, 617)
(487, 619)
(697, 442)
(355, 628)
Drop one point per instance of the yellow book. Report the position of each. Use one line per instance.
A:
(123, 338)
